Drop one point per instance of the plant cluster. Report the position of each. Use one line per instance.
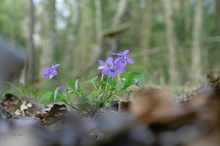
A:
(115, 83)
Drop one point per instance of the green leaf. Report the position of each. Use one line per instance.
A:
(92, 80)
(72, 85)
(95, 93)
(46, 97)
(82, 100)
(139, 76)
(89, 96)
(59, 96)
(102, 84)
(96, 102)
(120, 85)
(112, 82)
(18, 106)
(22, 88)
(66, 97)
(131, 78)
(56, 92)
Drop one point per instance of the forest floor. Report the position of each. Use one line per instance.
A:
(192, 121)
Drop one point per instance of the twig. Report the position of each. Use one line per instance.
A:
(115, 31)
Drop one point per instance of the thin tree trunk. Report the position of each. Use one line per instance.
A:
(146, 30)
(49, 35)
(98, 8)
(73, 27)
(98, 48)
(31, 72)
(187, 14)
(83, 49)
(171, 41)
(122, 6)
(121, 9)
(98, 51)
(216, 65)
(196, 44)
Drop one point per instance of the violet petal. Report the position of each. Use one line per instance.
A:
(125, 53)
(130, 61)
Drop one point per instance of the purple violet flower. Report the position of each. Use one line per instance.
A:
(111, 67)
(62, 88)
(103, 64)
(123, 58)
(139, 84)
(51, 71)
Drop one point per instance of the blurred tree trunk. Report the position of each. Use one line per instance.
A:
(99, 39)
(146, 31)
(171, 41)
(218, 12)
(117, 20)
(49, 35)
(137, 13)
(196, 44)
(86, 38)
(98, 8)
(217, 25)
(73, 25)
(31, 70)
(187, 14)
(99, 52)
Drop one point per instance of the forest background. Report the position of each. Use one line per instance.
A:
(172, 41)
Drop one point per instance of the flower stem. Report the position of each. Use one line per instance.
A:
(107, 98)
(71, 104)
(102, 97)
(94, 85)
(102, 77)
(101, 80)
(88, 105)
